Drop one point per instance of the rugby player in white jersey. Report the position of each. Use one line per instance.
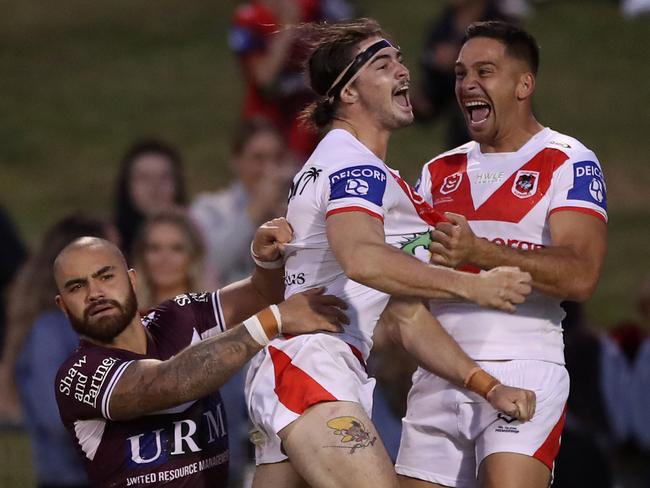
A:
(353, 219)
(529, 197)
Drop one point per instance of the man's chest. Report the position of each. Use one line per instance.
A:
(505, 190)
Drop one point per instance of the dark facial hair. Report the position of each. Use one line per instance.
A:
(105, 329)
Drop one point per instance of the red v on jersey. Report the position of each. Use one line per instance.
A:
(504, 204)
(424, 210)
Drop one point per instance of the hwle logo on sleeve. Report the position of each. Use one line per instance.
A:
(588, 184)
(367, 182)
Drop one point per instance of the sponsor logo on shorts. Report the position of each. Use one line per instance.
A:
(506, 428)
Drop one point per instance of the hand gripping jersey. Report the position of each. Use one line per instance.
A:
(342, 175)
(183, 446)
(508, 199)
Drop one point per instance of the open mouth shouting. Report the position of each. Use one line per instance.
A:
(401, 97)
(478, 111)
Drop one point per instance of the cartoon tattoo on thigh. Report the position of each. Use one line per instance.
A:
(352, 432)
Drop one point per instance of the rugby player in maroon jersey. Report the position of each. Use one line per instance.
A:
(140, 394)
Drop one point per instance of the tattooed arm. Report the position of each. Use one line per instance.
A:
(150, 385)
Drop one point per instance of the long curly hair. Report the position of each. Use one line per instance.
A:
(332, 48)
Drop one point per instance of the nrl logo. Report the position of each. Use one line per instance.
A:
(451, 183)
(525, 184)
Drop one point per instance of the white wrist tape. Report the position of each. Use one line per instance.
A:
(255, 329)
(277, 264)
(278, 318)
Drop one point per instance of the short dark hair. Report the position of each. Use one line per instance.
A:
(332, 48)
(519, 43)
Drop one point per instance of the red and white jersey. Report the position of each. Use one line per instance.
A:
(343, 175)
(508, 199)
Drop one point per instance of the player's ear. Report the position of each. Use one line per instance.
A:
(526, 86)
(61, 304)
(132, 277)
(349, 95)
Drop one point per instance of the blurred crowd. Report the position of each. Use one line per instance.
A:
(179, 243)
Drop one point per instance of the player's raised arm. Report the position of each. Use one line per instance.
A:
(410, 324)
(266, 285)
(149, 385)
(357, 240)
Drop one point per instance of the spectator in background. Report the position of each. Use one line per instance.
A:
(595, 407)
(228, 218)
(168, 255)
(435, 98)
(12, 256)
(638, 340)
(39, 339)
(271, 59)
(150, 180)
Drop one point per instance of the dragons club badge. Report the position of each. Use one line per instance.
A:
(525, 184)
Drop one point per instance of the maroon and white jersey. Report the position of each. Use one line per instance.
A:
(184, 446)
(508, 199)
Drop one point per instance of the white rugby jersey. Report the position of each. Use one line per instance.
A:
(343, 175)
(508, 198)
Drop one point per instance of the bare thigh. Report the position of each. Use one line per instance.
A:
(512, 470)
(278, 475)
(406, 482)
(335, 445)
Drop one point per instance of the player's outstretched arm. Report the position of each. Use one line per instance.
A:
(266, 285)
(410, 324)
(568, 269)
(357, 240)
(150, 385)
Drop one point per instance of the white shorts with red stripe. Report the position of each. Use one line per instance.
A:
(291, 375)
(448, 431)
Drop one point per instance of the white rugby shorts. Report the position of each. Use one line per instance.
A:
(448, 431)
(292, 374)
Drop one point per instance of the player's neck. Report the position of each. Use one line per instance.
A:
(376, 140)
(133, 338)
(513, 137)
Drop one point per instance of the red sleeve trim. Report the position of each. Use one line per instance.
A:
(587, 211)
(354, 209)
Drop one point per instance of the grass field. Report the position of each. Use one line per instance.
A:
(79, 80)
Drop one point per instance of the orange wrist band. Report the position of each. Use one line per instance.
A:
(269, 323)
(480, 381)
